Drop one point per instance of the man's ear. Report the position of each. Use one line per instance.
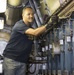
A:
(22, 14)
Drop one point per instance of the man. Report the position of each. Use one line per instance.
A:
(17, 51)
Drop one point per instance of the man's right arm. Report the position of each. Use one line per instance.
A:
(42, 29)
(36, 31)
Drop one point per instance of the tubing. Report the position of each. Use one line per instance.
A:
(15, 2)
(62, 48)
(73, 48)
(38, 11)
(70, 50)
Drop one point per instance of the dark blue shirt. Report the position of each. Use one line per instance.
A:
(20, 44)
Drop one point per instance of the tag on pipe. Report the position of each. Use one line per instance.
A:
(50, 46)
(61, 42)
(68, 39)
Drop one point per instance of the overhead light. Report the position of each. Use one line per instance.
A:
(3, 4)
(1, 23)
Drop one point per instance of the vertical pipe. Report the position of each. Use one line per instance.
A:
(48, 55)
(68, 53)
(15, 2)
(66, 50)
(62, 47)
(73, 48)
(38, 11)
(51, 56)
(35, 14)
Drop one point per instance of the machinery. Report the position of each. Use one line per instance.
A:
(53, 51)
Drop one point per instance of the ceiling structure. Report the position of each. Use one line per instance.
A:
(59, 7)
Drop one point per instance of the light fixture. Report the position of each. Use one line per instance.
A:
(3, 4)
(1, 23)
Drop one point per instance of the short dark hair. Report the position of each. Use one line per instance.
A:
(26, 8)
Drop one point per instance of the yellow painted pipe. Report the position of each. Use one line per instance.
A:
(15, 2)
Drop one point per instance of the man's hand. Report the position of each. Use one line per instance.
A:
(48, 25)
(54, 21)
(46, 18)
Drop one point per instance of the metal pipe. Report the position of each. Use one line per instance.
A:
(35, 14)
(73, 48)
(15, 2)
(38, 11)
(12, 15)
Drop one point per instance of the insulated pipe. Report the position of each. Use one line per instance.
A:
(12, 15)
(38, 11)
(35, 15)
(13, 12)
(15, 2)
(47, 8)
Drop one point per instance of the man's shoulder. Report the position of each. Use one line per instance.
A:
(18, 25)
(19, 22)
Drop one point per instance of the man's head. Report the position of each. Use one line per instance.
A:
(28, 15)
